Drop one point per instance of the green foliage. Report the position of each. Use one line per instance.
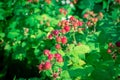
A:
(26, 24)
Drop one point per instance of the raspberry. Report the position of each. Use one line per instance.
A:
(46, 52)
(50, 56)
(64, 40)
(40, 67)
(109, 51)
(63, 31)
(86, 15)
(110, 44)
(58, 46)
(47, 65)
(55, 32)
(89, 23)
(58, 39)
(67, 28)
(55, 75)
(50, 36)
(72, 18)
(58, 57)
(36, 1)
(80, 23)
(29, 0)
(118, 43)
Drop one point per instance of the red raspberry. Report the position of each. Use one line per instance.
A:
(118, 43)
(50, 56)
(58, 46)
(64, 40)
(58, 39)
(47, 65)
(46, 52)
(50, 36)
(58, 57)
(67, 28)
(40, 67)
(56, 32)
(80, 23)
(72, 18)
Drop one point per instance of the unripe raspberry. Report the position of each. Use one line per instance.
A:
(36, 1)
(89, 23)
(75, 25)
(60, 59)
(47, 65)
(58, 39)
(101, 15)
(50, 56)
(67, 28)
(114, 56)
(118, 1)
(95, 20)
(46, 52)
(29, 0)
(63, 31)
(59, 24)
(55, 75)
(48, 1)
(86, 15)
(109, 51)
(110, 45)
(66, 23)
(118, 43)
(64, 40)
(58, 46)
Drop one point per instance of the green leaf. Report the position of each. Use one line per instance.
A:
(23, 44)
(105, 4)
(98, 1)
(86, 4)
(13, 34)
(7, 47)
(2, 35)
(82, 49)
(65, 75)
(2, 12)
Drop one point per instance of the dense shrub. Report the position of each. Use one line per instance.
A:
(59, 39)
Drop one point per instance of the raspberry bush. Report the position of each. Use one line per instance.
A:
(60, 39)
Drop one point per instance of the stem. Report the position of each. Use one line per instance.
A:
(75, 42)
(94, 28)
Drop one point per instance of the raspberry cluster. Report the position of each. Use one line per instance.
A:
(92, 18)
(114, 49)
(48, 64)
